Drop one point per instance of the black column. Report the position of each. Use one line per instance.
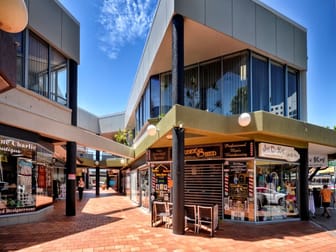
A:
(178, 180)
(70, 205)
(303, 184)
(178, 60)
(71, 148)
(97, 174)
(87, 178)
(178, 133)
(73, 91)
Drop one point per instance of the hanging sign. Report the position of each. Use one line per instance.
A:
(317, 160)
(275, 151)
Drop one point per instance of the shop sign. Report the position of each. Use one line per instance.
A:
(317, 160)
(159, 154)
(14, 146)
(275, 151)
(239, 149)
(332, 163)
(202, 152)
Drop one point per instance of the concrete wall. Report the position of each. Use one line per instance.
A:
(87, 121)
(112, 123)
(56, 25)
(253, 23)
(31, 102)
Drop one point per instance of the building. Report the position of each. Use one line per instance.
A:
(41, 128)
(218, 112)
(219, 108)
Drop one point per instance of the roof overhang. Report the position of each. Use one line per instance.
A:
(264, 127)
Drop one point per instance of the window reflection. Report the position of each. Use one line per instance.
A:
(58, 69)
(277, 90)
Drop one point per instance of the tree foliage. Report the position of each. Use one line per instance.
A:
(123, 137)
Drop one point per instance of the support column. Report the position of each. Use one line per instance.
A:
(178, 60)
(97, 174)
(178, 133)
(71, 150)
(178, 180)
(303, 184)
(87, 178)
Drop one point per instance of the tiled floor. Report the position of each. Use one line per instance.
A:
(114, 223)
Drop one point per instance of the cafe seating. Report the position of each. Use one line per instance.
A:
(190, 217)
(208, 218)
(159, 213)
(169, 217)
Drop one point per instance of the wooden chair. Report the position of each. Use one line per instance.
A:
(190, 217)
(169, 217)
(206, 219)
(159, 213)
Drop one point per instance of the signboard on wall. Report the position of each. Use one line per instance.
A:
(275, 151)
(317, 160)
(158, 154)
(202, 152)
(238, 149)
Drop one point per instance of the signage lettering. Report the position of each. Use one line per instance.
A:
(278, 152)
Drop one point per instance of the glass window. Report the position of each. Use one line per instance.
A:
(235, 89)
(260, 87)
(18, 40)
(276, 190)
(166, 92)
(146, 104)
(38, 66)
(211, 86)
(137, 119)
(292, 97)
(191, 88)
(154, 96)
(58, 70)
(277, 90)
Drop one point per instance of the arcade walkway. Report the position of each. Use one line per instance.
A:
(112, 222)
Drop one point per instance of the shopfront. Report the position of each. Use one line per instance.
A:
(249, 181)
(26, 176)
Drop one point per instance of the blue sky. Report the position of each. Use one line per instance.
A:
(113, 33)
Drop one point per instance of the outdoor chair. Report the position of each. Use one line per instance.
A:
(206, 219)
(169, 217)
(190, 217)
(159, 213)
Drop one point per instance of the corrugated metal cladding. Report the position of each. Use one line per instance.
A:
(203, 185)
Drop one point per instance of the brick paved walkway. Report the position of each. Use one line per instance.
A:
(114, 223)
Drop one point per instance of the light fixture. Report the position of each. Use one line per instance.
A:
(151, 130)
(96, 163)
(122, 161)
(13, 15)
(244, 119)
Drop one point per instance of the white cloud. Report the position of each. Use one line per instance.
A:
(123, 22)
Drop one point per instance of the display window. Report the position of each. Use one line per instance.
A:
(276, 190)
(144, 183)
(161, 178)
(25, 176)
(238, 191)
(260, 190)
